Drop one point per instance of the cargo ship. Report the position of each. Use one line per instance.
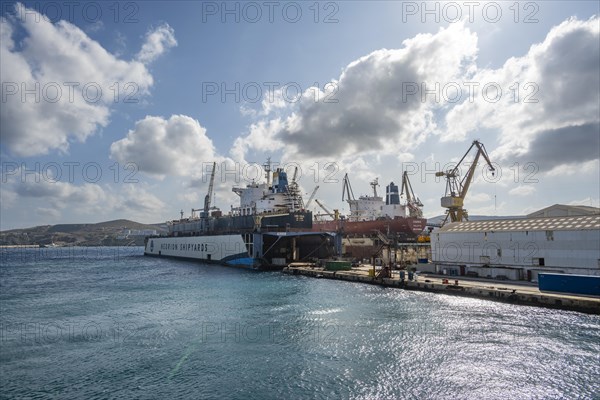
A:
(405, 227)
(371, 214)
(373, 222)
(268, 230)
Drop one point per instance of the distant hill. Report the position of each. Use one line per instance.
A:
(121, 232)
(117, 232)
(66, 228)
(108, 225)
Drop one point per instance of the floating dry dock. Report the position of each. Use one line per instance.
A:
(490, 290)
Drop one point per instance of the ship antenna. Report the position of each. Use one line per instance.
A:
(374, 184)
(267, 167)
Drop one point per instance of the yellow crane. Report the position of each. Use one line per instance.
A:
(456, 190)
(335, 214)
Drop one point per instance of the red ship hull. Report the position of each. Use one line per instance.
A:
(408, 226)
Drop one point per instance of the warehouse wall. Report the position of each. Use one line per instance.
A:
(574, 251)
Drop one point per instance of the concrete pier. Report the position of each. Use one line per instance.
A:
(523, 294)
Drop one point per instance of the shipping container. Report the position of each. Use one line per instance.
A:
(565, 283)
(338, 265)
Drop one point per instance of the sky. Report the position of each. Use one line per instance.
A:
(118, 109)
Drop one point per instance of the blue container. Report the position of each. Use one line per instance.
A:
(565, 283)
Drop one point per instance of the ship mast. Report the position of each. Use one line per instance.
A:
(374, 183)
(267, 168)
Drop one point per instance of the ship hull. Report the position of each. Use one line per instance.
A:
(411, 227)
(260, 251)
(222, 249)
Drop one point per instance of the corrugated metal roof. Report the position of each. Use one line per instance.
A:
(529, 224)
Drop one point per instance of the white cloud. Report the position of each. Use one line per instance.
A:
(138, 201)
(72, 80)
(177, 146)
(95, 27)
(592, 167)
(588, 201)
(522, 190)
(55, 200)
(60, 194)
(157, 42)
(491, 209)
(193, 198)
(261, 136)
(478, 197)
(8, 198)
(272, 102)
(558, 88)
(369, 109)
(48, 213)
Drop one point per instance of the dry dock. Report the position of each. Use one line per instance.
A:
(515, 293)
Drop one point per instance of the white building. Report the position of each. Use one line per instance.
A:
(562, 210)
(562, 239)
(126, 233)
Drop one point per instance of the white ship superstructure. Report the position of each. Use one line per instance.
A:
(269, 228)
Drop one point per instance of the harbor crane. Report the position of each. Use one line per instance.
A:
(347, 190)
(456, 190)
(414, 204)
(335, 214)
(348, 195)
(294, 197)
(312, 196)
(209, 194)
(327, 212)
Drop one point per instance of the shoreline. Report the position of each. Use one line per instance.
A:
(501, 291)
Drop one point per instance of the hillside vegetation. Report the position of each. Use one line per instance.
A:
(109, 233)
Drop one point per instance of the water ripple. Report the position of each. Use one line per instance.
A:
(125, 326)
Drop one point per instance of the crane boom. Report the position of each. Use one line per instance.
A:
(293, 193)
(456, 190)
(335, 214)
(323, 207)
(312, 196)
(347, 190)
(466, 182)
(208, 196)
(412, 201)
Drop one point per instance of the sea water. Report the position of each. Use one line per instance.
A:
(111, 323)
